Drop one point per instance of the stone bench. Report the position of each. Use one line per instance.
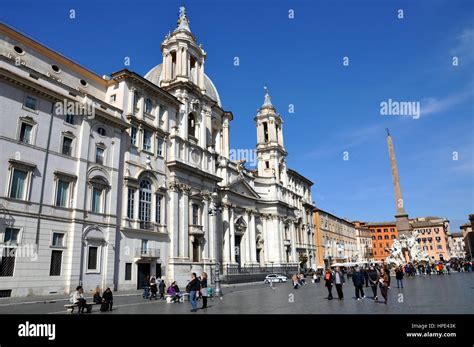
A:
(70, 307)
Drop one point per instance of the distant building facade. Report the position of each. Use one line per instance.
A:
(364, 242)
(383, 234)
(456, 246)
(433, 233)
(337, 236)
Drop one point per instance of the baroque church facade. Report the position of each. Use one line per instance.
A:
(138, 180)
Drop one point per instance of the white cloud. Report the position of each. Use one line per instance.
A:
(432, 105)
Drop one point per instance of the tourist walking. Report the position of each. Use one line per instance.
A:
(384, 280)
(329, 279)
(374, 280)
(339, 282)
(146, 287)
(153, 288)
(193, 289)
(399, 276)
(162, 288)
(366, 276)
(358, 280)
(204, 293)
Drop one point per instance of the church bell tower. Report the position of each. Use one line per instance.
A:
(271, 153)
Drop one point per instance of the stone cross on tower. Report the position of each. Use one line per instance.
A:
(403, 225)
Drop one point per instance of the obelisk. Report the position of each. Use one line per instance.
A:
(403, 225)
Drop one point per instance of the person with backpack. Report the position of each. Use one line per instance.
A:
(329, 281)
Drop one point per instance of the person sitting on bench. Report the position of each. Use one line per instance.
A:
(173, 291)
(107, 300)
(79, 300)
(97, 298)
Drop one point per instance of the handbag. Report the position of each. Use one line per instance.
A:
(204, 292)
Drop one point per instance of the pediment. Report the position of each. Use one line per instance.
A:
(240, 186)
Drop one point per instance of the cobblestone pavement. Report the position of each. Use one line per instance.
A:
(421, 295)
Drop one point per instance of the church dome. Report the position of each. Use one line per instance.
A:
(155, 75)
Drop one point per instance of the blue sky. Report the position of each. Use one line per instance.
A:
(337, 108)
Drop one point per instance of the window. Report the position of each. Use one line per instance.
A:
(83, 83)
(113, 98)
(375, 252)
(195, 216)
(92, 258)
(147, 140)
(439, 247)
(159, 199)
(101, 131)
(7, 263)
(55, 266)
(438, 238)
(18, 184)
(128, 271)
(99, 155)
(191, 125)
(144, 248)
(25, 132)
(379, 230)
(436, 230)
(58, 240)
(267, 165)
(148, 105)
(393, 236)
(373, 237)
(429, 231)
(62, 193)
(145, 201)
(69, 118)
(159, 146)
(67, 146)
(392, 230)
(379, 237)
(133, 135)
(385, 230)
(131, 203)
(265, 131)
(136, 99)
(11, 236)
(97, 200)
(31, 103)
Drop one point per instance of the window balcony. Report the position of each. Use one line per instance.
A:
(147, 253)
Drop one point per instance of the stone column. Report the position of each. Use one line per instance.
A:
(186, 191)
(201, 75)
(226, 251)
(130, 101)
(225, 137)
(173, 226)
(280, 230)
(293, 242)
(205, 226)
(203, 128)
(253, 238)
(232, 236)
(265, 238)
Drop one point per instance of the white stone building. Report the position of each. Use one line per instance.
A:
(139, 180)
(457, 248)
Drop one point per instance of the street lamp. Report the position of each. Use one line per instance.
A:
(214, 210)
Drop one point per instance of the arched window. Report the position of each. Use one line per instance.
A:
(144, 207)
(191, 125)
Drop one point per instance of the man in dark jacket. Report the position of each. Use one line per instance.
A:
(193, 288)
(399, 276)
(374, 280)
(162, 288)
(358, 280)
(366, 277)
